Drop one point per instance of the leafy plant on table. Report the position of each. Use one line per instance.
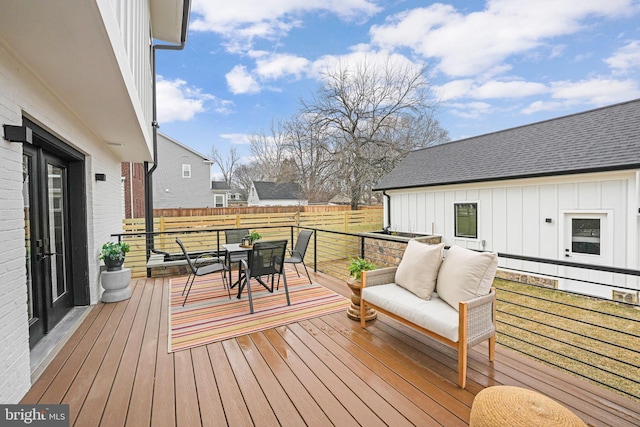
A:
(114, 250)
(358, 265)
(254, 236)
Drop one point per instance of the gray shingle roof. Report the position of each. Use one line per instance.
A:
(220, 185)
(278, 190)
(606, 138)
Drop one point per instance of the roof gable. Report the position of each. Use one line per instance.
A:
(278, 190)
(184, 147)
(606, 138)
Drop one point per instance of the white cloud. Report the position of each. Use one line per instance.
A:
(279, 65)
(470, 110)
(240, 21)
(177, 101)
(360, 57)
(594, 92)
(236, 138)
(494, 89)
(513, 89)
(454, 89)
(467, 44)
(241, 81)
(626, 58)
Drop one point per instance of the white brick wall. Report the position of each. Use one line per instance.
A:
(20, 93)
(15, 372)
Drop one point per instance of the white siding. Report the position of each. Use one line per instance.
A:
(133, 19)
(512, 214)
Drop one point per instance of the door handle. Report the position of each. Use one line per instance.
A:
(45, 255)
(567, 255)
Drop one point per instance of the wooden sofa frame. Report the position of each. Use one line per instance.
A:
(473, 325)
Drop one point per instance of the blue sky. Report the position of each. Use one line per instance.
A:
(492, 64)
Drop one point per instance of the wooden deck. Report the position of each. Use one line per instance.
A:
(115, 370)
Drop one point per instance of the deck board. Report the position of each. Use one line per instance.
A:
(116, 370)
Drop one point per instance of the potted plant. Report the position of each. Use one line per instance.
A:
(113, 254)
(356, 267)
(252, 237)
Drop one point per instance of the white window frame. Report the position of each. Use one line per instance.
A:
(455, 220)
(186, 170)
(215, 201)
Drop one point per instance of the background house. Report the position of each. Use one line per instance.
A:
(221, 194)
(182, 178)
(76, 85)
(263, 193)
(567, 189)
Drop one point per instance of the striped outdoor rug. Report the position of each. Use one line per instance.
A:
(209, 315)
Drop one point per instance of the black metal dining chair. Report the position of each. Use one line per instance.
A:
(199, 268)
(235, 236)
(266, 259)
(298, 252)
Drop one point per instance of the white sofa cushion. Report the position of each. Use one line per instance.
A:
(465, 274)
(434, 315)
(418, 269)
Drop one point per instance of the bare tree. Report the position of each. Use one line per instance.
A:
(308, 152)
(269, 151)
(362, 108)
(245, 174)
(226, 164)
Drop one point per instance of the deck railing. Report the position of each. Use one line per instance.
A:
(589, 336)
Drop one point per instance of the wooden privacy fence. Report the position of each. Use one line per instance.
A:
(348, 221)
(236, 210)
(270, 225)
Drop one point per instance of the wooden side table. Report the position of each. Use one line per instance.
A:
(353, 312)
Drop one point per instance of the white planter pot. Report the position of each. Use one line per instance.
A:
(116, 285)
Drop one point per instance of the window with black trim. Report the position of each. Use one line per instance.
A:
(466, 220)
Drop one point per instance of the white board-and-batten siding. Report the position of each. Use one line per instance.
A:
(512, 214)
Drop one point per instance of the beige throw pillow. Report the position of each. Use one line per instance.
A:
(418, 268)
(465, 274)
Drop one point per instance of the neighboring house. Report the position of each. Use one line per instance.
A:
(182, 178)
(76, 85)
(133, 189)
(236, 198)
(221, 192)
(264, 193)
(567, 188)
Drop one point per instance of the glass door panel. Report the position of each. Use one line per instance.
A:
(57, 232)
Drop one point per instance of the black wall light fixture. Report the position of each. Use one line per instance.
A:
(101, 177)
(18, 134)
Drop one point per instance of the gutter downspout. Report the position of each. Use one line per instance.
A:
(148, 176)
(384, 193)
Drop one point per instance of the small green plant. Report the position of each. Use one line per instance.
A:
(254, 236)
(358, 265)
(114, 250)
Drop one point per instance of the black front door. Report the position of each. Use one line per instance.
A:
(47, 227)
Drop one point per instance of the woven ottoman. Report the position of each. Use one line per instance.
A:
(514, 406)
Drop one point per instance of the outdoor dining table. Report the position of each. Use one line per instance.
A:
(235, 253)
